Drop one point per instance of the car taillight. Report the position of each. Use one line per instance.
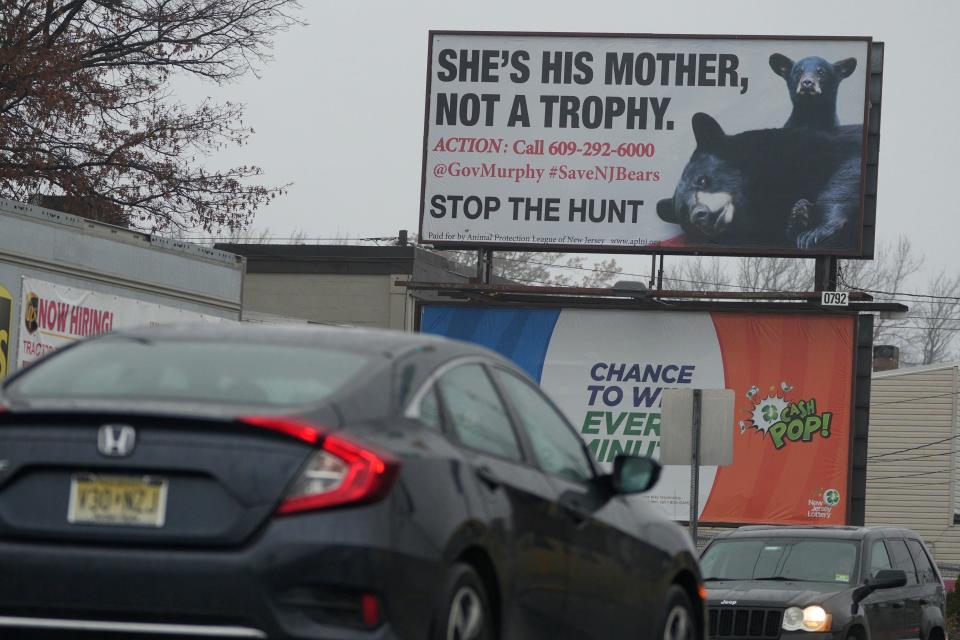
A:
(341, 472)
(293, 427)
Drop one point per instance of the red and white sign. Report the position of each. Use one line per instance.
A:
(54, 315)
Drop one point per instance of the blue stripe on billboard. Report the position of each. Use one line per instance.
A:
(522, 335)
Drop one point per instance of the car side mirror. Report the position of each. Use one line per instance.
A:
(885, 579)
(634, 474)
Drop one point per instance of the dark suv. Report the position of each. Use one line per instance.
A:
(820, 583)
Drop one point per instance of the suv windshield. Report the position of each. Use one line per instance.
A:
(781, 559)
(233, 372)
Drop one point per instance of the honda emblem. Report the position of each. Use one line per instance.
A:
(117, 440)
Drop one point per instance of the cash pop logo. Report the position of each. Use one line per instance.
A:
(783, 419)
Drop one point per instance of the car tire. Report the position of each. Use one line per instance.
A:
(678, 621)
(464, 611)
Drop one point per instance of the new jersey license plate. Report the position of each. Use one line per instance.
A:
(139, 501)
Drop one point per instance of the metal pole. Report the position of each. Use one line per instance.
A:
(653, 271)
(660, 275)
(825, 273)
(484, 266)
(695, 465)
(481, 266)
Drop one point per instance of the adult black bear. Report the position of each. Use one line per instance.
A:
(812, 84)
(744, 189)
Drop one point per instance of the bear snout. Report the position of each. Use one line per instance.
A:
(702, 216)
(711, 213)
(808, 85)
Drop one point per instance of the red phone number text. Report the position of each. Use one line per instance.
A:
(588, 149)
(540, 147)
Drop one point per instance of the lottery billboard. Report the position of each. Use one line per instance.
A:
(792, 375)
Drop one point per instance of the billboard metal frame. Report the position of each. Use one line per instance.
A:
(866, 238)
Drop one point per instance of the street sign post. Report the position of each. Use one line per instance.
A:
(697, 428)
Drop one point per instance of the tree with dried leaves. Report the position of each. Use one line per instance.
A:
(86, 109)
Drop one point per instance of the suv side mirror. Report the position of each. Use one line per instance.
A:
(885, 579)
(888, 579)
(634, 474)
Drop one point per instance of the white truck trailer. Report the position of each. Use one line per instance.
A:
(63, 277)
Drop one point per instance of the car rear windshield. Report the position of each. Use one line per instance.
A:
(232, 372)
(781, 559)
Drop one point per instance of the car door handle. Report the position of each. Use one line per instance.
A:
(488, 477)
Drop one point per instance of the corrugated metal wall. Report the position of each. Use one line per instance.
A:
(911, 467)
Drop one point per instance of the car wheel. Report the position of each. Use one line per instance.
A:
(678, 622)
(465, 612)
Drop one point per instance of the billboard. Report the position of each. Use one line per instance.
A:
(54, 315)
(792, 375)
(617, 143)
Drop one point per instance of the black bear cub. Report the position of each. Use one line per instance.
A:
(813, 84)
(793, 187)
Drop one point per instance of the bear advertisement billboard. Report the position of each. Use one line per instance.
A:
(791, 374)
(656, 144)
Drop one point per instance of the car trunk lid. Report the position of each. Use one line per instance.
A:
(178, 480)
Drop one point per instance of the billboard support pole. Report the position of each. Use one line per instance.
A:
(825, 273)
(660, 275)
(485, 265)
(653, 271)
(695, 465)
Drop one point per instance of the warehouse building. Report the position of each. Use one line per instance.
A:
(338, 284)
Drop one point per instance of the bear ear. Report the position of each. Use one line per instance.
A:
(781, 64)
(845, 67)
(666, 211)
(707, 131)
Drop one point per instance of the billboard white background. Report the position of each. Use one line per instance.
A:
(765, 104)
(626, 337)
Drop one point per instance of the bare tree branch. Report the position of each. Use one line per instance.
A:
(553, 269)
(936, 320)
(888, 273)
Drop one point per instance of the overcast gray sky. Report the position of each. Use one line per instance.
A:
(339, 111)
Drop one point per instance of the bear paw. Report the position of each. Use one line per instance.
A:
(799, 219)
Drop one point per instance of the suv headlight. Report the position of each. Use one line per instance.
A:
(813, 618)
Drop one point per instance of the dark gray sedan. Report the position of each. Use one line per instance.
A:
(260, 481)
